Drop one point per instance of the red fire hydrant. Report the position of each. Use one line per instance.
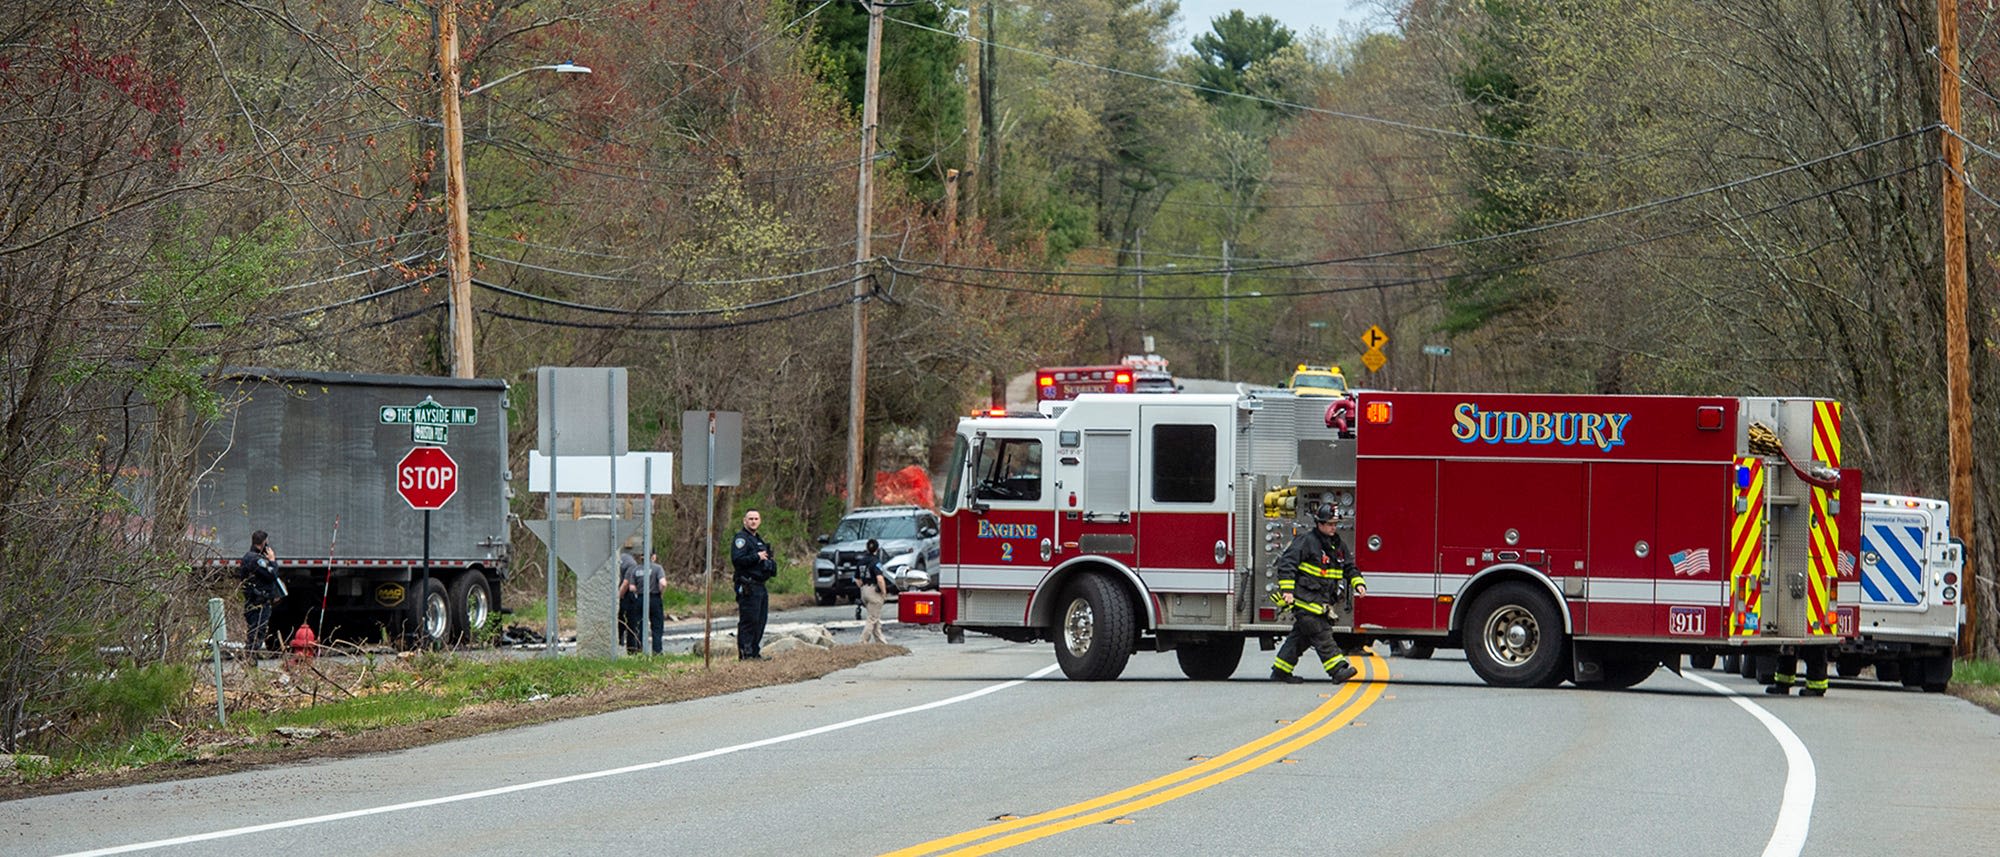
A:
(304, 644)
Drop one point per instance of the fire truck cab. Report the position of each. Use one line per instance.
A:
(1554, 538)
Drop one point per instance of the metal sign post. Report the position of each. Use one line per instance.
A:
(218, 629)
(719, 434)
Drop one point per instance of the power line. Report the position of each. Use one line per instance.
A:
(1434, 278)
(839, 304)
(1481, 239)
(666, 313)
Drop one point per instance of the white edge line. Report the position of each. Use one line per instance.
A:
(573, 778)
(1788, 836)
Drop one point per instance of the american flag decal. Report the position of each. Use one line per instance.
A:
(1690, 562)
(1846, 563)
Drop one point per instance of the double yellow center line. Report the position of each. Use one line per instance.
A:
(1353, 698)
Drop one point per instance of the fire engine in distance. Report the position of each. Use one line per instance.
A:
(1580, 538)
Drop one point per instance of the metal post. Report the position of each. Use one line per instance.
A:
(617, 513)
(424, 587)
(708, 564)
(646, 641)
(555, 446)
(218, 628)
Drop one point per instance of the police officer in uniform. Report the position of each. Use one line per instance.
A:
(751, 556)
(1312, 580)
(261, 591)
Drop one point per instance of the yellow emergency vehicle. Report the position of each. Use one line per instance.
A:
(1316, 380)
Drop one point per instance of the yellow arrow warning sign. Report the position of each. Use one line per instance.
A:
(1374, 338)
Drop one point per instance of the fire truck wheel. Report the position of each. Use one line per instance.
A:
(1621, 673)
(1215, 660)
(471, 605)
(1094, 630)
(1765, 669)
(1413, 650)
(1746, 665)
(1848, 667)
(1702, 662)
(1514, 637)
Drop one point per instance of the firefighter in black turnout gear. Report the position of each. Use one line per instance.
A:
(752, 557)
(1313, 576)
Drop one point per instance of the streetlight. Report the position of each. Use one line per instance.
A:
(456, 213)
(558, 68)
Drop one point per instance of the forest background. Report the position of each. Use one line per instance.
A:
(1733, 197)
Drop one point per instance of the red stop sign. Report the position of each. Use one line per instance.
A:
(427, 477)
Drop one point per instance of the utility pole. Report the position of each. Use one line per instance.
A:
(974, 110)
(456, 214)
(864, 211)
(1958, 360)
(1139, 258)
(950, 211)
(1227, 341)
(989, 147)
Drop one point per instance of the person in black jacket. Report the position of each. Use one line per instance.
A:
(261, 591)
(751, 556)
(1312, 581)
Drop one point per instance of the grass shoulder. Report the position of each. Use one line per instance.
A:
(364, 703)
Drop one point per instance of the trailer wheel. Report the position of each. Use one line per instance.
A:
(1215, 660)
(1094, 630)
(1514, 637)
(471, 606)
(429, 618)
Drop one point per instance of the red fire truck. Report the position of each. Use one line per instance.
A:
(1553, 537)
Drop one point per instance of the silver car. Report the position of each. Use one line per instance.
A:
(909, 539)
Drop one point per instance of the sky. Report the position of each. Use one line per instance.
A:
(1331, 16)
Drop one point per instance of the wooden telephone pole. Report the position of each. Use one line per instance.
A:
(864, 213)
(1958, 360)
(456, 208)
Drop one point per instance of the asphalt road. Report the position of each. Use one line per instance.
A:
(983, 746)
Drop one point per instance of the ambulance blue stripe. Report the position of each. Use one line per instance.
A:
(1899, 569)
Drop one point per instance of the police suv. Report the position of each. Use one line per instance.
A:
(909, 539)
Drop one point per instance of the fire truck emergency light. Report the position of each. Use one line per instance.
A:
(1379, 413)
(1124, 378)
(1046, 380)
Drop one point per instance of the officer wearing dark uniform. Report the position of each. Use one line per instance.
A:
(751, 556)
(1313, 574)
(261, 590)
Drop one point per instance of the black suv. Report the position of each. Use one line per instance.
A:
(909, 539)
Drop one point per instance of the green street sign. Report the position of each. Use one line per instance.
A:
(430, 435)
(428, 413)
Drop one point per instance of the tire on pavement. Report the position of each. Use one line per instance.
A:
(1514, 637)
(1213, 660)
(1094, 630)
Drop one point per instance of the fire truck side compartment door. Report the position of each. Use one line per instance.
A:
(1107, 482)
(1184, 496)
(1623, 553)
